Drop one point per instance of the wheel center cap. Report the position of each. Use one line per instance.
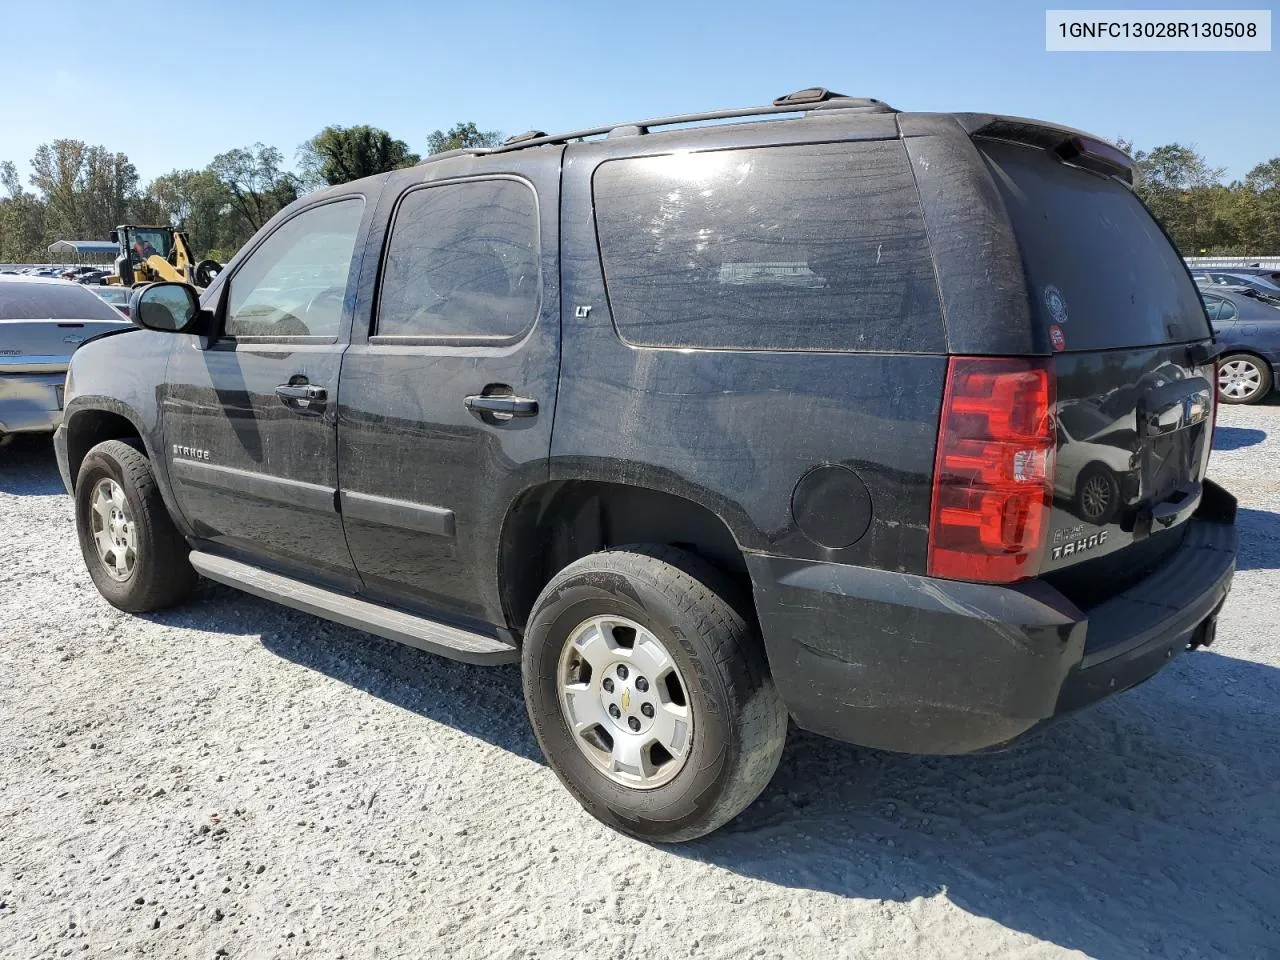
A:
(628, 699)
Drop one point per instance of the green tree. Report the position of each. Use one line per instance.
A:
(1187, 195)
(86, 189)
(342, 154)
(199, 203)
(258, 185)
(1259, 209)
(461, 135)
(22, 219)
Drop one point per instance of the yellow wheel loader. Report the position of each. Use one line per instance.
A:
(150, 253)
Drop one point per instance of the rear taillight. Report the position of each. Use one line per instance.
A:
(993, 476)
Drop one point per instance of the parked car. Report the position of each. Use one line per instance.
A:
(1266, 273)
(116, 295)
(42, 321)
(1248, 328)
(76, 272)
(1253, 281)
(94, 277)
(1098, 470)
(706, 427)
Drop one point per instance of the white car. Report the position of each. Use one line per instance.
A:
(1096, 476)
(42, 322)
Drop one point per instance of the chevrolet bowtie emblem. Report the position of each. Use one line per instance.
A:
(626, 699)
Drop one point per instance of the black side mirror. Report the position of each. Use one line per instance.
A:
(115, 236)
(169, 308)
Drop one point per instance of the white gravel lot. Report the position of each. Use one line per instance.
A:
(236, 779)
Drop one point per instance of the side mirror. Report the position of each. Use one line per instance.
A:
(114, 236)
(169, 308)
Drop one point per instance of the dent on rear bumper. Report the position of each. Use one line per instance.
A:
(908, 663)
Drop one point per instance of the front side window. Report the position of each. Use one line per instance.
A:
(462, 263)
(294, 284)
(1227, 311)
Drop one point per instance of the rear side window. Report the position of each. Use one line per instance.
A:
(1098, 266)
(462, 263)
(816, 247)
(31, 300)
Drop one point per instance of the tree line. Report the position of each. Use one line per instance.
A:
(1204, 215)
(81, 192)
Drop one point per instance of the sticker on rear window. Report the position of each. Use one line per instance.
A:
(1056, 302)
(1057, 337)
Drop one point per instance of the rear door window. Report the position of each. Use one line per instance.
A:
(1213, 307)
(1098, 266)
(815, 247)
(462, 263)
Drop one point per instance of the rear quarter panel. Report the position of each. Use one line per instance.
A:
(735, 431)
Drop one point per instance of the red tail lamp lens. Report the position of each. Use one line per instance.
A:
(993, 477)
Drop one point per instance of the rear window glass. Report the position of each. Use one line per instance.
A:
(1098, 266)
(24, 300)
(816, 247)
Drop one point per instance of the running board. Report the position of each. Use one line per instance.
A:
(430, 635)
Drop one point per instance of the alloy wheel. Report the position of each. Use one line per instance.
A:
(625, 702)
(1239, 379)
(114, 532)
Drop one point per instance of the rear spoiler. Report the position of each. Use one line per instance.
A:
(1074, 147)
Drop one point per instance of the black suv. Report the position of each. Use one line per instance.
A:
(894, 424)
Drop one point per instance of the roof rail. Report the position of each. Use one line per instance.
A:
(809, 99)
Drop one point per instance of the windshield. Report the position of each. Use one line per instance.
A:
(146, 242)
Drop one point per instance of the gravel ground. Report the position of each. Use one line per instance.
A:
(236, 779)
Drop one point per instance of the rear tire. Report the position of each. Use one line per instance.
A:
(697, 647)
(137, 558)
(1243, 378)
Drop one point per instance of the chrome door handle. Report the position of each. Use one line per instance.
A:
(502, 406)
(302, 396)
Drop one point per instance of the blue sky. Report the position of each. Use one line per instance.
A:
(279, 70)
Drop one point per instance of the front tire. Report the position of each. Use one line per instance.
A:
(1243, 378)
(135, 555)
(649, 693)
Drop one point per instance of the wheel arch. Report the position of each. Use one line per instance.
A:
(88, 424)
(555, 523)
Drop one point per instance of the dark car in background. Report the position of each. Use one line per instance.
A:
(42, 322)
(1223, 278)
(1248, 328)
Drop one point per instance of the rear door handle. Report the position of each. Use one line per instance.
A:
(302, 396)
(502, 406)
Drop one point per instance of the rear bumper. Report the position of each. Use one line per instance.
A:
(914, 664)
(30, 402)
